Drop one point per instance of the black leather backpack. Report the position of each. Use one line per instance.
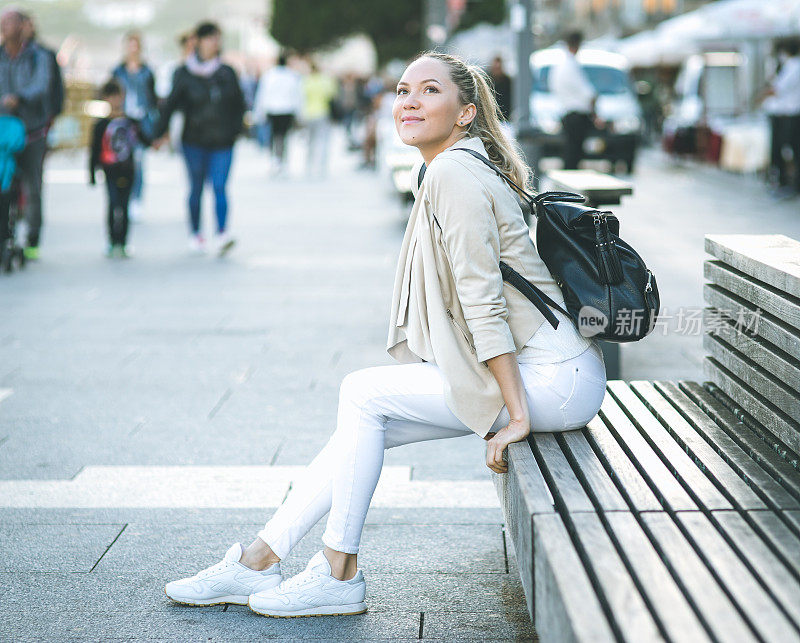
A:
(608, 290)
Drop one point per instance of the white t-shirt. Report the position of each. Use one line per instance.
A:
(279, 92)
(570, 85)
(786, 100)
(552, 345)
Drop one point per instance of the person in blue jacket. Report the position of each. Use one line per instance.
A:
(139, 85)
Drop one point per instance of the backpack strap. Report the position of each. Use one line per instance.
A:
(536, 295)
(532, 200)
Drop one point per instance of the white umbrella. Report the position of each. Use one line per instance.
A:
(676, 39)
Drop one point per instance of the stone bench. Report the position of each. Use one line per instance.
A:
(675, 513)
(598, 188)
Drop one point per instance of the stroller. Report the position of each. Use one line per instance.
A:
(12, 141)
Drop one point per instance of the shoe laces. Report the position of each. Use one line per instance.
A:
(220, 566)
(301, 579)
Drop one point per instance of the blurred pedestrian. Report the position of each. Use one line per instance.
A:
(187, 42)
(26, 79)
(112, 149)
(55, 94)
(138, 82)
(571, 87)
(279, 99)
(783, 106)
(207, 92)
(501, 82)
(348, 99)
(319, 89)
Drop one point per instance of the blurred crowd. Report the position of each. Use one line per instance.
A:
(196, 105)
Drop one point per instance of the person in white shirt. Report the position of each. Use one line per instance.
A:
(571, 87)
(783, 106)
(279, 99)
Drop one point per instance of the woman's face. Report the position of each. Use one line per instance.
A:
(427, 109)
(208, 46)
(133, 46)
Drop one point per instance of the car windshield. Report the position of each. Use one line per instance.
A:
(606, 80)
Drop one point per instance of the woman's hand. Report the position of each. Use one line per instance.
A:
(515, 431)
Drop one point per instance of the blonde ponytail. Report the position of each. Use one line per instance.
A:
(475, 86)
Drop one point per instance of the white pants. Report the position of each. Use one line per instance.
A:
(386, 406)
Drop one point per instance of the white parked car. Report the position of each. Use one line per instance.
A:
(617, 105)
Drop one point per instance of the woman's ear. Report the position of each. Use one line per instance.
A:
(467, 115)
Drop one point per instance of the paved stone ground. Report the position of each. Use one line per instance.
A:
(126, 386)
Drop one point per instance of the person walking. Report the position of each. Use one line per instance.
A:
(279, 100)
(112, 149)
(577, 96)
(55, 93)
(138, 83)
(187, 43)
(207, 92)
(475, 355)
(25, 84)
(783, 106)
(319, 89)
(501, 82)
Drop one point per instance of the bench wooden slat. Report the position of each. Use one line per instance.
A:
(717, 610)
(591, 472)
(669, 491)
(766, 565)
(626, 608)
(620, 468)
(563, 483)
(793, 518)
(567, 607)
(709, 461)
(756, 477)
(529, 482)
(755, 603)
(771, 258)
(770, 328)
(523, 492)
(780, 536)
(782, 367)
(665, 597)
(762, 452)
(765, 413)
(758, 379)
(758, 293)
(699, 487)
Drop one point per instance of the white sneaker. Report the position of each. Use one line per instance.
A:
(197, 244)
(226, 582)
(313, 592)
(223, 243)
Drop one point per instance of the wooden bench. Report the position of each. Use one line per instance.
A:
(675, 513)
(599, 189)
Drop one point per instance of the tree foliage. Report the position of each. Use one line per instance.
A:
(395, 27)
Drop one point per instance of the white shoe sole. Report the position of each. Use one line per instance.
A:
(232, 599)
(325, 610)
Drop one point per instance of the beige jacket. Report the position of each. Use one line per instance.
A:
(450, 305)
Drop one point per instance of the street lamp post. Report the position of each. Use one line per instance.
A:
(435, 23)
(521, 20)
